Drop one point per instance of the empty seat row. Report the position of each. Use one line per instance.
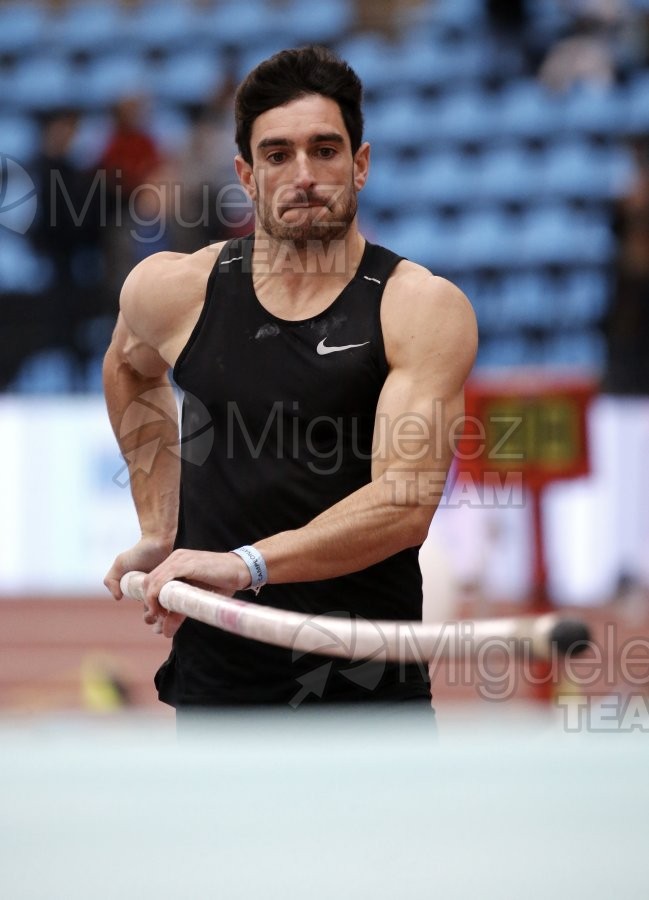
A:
(577, 350)
(523, 300)
(94, 27)
(523, 109)
(567, 170)
(46, 82)
(491, 239)
(91, 25)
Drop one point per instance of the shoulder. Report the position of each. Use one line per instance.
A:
(160, 303)
(425, 314)
(414, 290)
(164, 291)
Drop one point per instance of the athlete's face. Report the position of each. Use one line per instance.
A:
(304, 179)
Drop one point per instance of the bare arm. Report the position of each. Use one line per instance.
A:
(142, 412)
(430, 342)
(143, 415)
(156, 309)
(431, 350)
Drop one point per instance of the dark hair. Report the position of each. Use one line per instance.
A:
(291, 74)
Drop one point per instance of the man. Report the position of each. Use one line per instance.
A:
(332, 373)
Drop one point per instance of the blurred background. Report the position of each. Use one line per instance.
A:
(510, 153)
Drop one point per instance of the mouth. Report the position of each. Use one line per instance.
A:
(301, 204)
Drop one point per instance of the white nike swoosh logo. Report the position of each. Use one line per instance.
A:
(322, 350)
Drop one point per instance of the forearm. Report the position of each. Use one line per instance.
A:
(146, 428)
(375, 522)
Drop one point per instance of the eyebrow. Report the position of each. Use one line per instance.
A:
(330, 137)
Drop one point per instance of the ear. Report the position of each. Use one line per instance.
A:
(361, 165)
(245, 176)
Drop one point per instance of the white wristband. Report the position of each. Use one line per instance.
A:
(256, 566)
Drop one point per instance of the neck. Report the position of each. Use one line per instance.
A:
(299, 278)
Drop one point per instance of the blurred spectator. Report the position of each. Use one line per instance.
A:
(66, 232)
(603, 43)
(130, 161)
(628, 324)
(383, 16)
(584, 56)
(209, 205)
(131, 153)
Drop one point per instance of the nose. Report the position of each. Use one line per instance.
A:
(304, 178)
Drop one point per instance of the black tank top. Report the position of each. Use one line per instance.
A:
(277, 426)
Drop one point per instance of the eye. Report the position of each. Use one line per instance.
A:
(327, 152)
(277, 156)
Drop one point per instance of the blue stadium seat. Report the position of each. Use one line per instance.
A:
(527, 110)
(41, 83)
(21, 270)
(555, 235)
(401, 123)
(381, 191)
(19, 137)
(575, 169)
(442, 179)
(504, 352)
(487, 239)
(622, 169)
(422, 63)
(585, 296)
(159, 25)
(89, 27)
(468, 115)
(594, 110)
(484, 295)
(322, 23)
(169, 127)
(636, 104)
(528, 300)
(23, 27)
(509, 173)
(598, 245)
(430, 181)
(472, 285)
(450, 246)
(376, 62)
(93, 376)
(91, 138)
(460, 15)
(425, 239)
(549, 237)
(190, 76)
(582, 349)
(550, 19)
(46, 372)
(110, 78)
(427, 63)
(242, 26)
